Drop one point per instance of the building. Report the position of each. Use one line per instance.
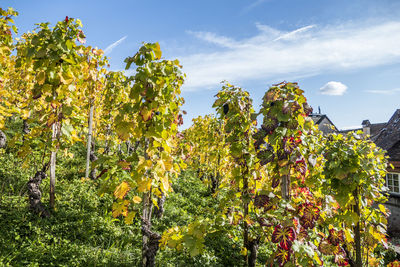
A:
(387, 136)
(325, 125)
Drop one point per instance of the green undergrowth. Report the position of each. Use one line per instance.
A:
(81, 230)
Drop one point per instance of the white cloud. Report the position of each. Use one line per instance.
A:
(333, 88)
(272, 55)
(109, 48)
(385, 92)
(351, 127)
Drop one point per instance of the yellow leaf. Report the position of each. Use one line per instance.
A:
(41, 77)
(165, 183)
(164, 134)
(382, 209)
(144, 185)
(168, 165)
(25, 114)
(182, 164)
(317, 259)
(156, 143)
(157, 51)
(157, 192)
(148, 163)
(52, 119)
(155, 203)
(120, 207)
(146, 114)
(75, 137)
(129, 217)
(137, 199)
(124, 165)
(66, 78)
(348, 235)
(122, 190)
(243, 251)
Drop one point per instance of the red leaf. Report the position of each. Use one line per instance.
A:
(306, 223)
(325, 247)
(301, 166)
(276, 181)
(310, 215)
(282, 256)
(284, 235)
(276, 233)
(335, 237)
(263, 222)
(261, 201)
(341, 261)
(302, 233)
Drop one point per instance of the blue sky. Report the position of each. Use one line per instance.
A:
(344, 54)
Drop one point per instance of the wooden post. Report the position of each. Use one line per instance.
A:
(357, 231)
(89, 140)
(245, 194)
(285, 187)
(53, 166)
(147, 260)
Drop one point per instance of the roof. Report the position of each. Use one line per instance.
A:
(386, 135)
(389, 135)
(325, 128)
(375, 128)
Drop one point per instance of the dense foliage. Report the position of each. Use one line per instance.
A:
(220, 193)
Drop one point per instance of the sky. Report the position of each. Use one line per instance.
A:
(344, 54)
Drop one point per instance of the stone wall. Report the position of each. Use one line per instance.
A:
(393, 205)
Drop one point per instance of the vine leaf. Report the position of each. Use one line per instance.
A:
(283, 256)
(120, 207)
(121, 190)
(284, 236)
(137, 199)
(129, 217)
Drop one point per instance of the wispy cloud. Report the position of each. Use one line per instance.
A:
(254, 5)
(333, 88)
(109, 48)
(272, 54)
(385, 92)
(292, 35)
(215, 39)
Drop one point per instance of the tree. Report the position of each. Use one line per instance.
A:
(150, 116)
(203, 148)
(6, 67)
(355, 169)
(51, 59)
(234, 106)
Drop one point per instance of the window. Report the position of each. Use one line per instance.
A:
(392, 181)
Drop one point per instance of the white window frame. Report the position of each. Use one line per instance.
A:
(394, 186)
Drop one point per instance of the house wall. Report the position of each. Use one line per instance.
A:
(393, 205)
